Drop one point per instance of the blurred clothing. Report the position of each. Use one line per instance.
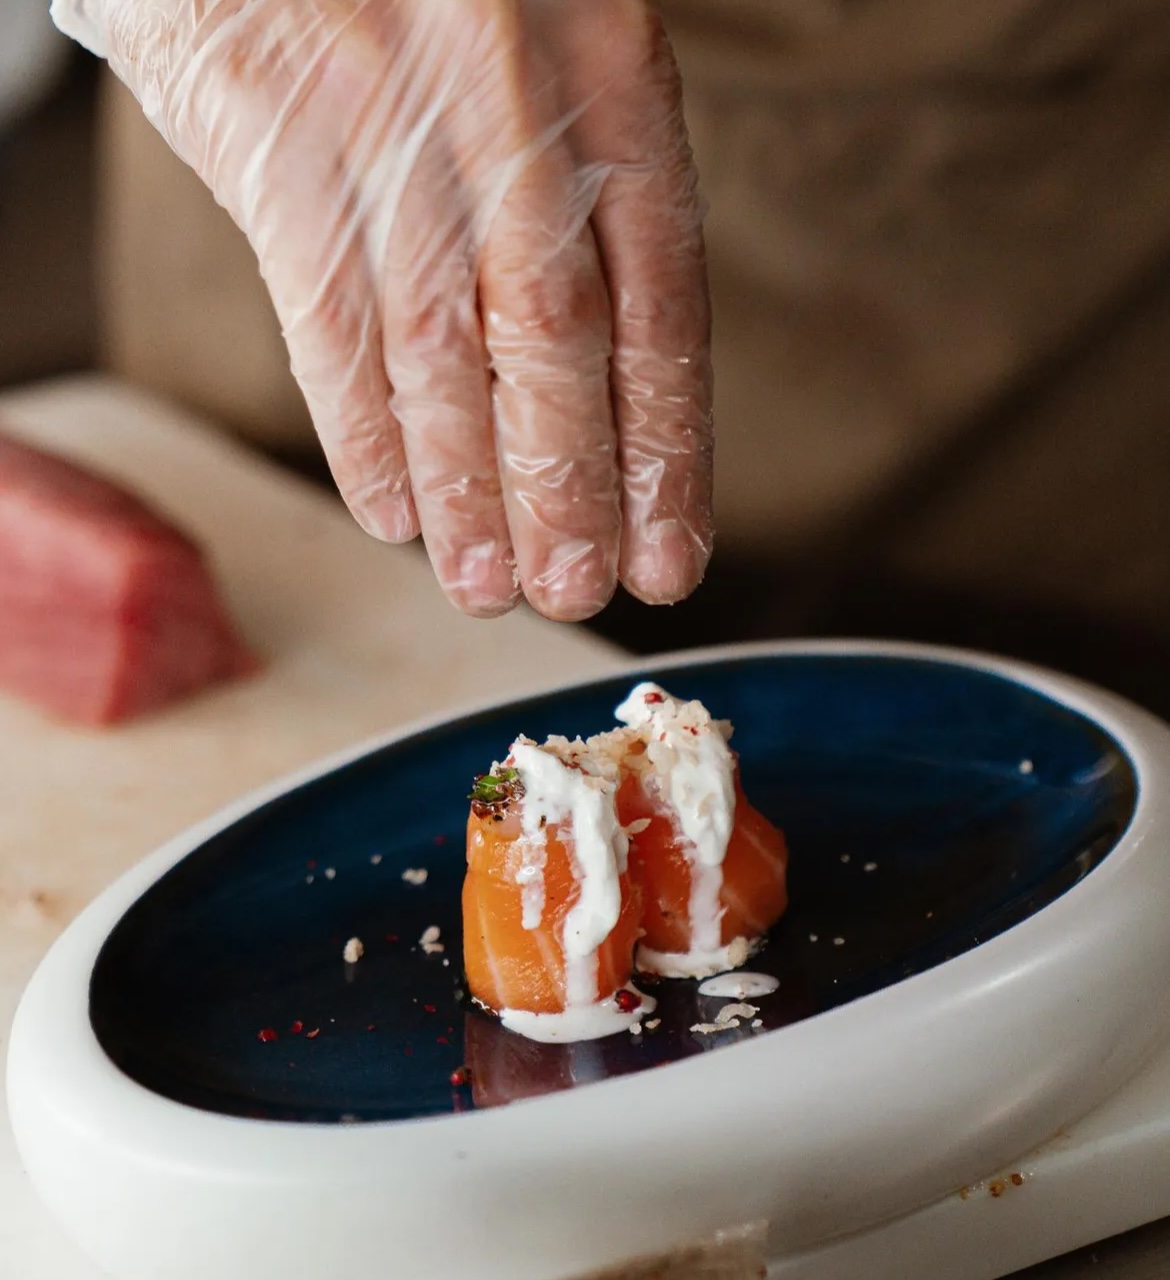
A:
(940, 251)
(32, 53)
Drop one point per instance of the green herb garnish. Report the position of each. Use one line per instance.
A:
(496, 788)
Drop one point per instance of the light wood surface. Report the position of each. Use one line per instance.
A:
(357, 639)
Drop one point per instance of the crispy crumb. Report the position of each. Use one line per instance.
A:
(870, 866)
(354, 950)
(375, 859)
(844, 857)
(309, 879)
(732, 1011)
(330, 873)
(757, 1023)
(654, 1022)
(430, 941)
(415, 875)
(635, 1028)
(727, 1019)
(1026, 766)
(838, 942)
(814, 937)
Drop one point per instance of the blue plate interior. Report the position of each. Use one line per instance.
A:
(916, 832)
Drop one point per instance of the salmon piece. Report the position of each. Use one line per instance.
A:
(753, 894)
(507, 965)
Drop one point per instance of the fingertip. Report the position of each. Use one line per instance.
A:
(666, 562)
(577, 582)
(481, 580)
(389, 517)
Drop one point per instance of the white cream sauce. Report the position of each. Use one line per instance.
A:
(695, 963)
(564, 783)
(582, 1022)
(739, 986)
(690, 768)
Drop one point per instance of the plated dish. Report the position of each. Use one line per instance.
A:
(256, 1053)
(590, 860)
(933, 806)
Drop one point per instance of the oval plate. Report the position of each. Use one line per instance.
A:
(950, 971)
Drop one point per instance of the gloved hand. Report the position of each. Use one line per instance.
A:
(480, 226)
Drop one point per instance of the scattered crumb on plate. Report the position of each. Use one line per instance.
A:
(727, 1019)
(430, 940)
(731, 1011)
(415, 875)
(354, 950)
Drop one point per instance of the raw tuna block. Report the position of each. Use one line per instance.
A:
(106, 611)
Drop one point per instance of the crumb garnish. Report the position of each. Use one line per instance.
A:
(415, 875)
(355, 948)
(730, 1011)
(727, 1019)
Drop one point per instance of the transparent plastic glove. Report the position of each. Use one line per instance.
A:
(480, 226)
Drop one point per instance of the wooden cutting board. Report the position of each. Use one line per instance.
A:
(356, 636)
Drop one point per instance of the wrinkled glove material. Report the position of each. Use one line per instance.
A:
(481, 228)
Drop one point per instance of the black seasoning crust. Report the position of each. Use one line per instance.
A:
(493, 793)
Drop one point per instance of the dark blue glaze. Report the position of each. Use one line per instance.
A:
(914, 766)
